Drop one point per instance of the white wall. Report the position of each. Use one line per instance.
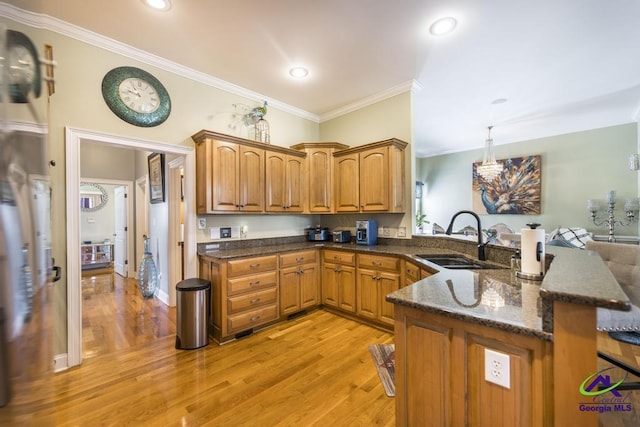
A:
(575, 167)
(99, 225)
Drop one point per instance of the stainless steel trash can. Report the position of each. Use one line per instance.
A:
(192, 314)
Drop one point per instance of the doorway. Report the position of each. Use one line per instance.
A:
(73, 138)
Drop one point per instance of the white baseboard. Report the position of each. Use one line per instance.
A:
(163, 296)
(60, 363)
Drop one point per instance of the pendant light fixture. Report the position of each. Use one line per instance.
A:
(489, 169)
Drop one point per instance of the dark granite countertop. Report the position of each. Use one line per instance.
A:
(491, 297)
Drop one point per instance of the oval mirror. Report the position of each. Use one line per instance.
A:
(92, 197)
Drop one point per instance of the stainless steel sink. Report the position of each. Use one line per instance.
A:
(457, 262)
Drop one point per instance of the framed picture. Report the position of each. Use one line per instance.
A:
(156, 177)
(515, 191)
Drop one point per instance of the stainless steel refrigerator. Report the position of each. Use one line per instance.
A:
(26, 264)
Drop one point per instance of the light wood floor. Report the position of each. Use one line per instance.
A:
(313, 370)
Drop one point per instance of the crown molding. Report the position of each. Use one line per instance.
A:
(411, 85)
(49, 23)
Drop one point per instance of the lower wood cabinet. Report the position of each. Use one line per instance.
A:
(339, 280)
(244, 294)
(440, 379)
(299, 281)
(377, 276)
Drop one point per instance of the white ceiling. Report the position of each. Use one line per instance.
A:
(563, 65)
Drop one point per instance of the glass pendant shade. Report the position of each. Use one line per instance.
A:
(489, 169)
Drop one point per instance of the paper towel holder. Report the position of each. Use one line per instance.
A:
(539, 252)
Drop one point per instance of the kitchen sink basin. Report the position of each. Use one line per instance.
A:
(457, 262)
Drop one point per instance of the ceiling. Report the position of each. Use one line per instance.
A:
(563, 66)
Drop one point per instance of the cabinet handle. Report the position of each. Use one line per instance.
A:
(299, 258)
(255, 300)
(254, 265)
(376, 263)
(300, 271)
(337, 270)
(254, 318)
(257, 282)
(337, 257)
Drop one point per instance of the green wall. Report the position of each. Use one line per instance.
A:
(390, 118)
(575, 167)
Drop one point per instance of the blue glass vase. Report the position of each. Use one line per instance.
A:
(147, 273)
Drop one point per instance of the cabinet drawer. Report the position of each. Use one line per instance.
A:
(238, 267)
(297, 258)
(249, 301)
(251, 283)
(339, 257)
(379, 262)
(243, 321)
(411, 273)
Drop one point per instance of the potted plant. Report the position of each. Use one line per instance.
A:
(421, 219)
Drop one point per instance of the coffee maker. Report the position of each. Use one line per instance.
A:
(366, 232)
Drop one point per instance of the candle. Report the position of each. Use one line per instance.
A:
(593, 206)
(611, 197)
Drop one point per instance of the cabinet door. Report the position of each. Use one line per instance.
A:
(275, 181)
(347, 198)
(367, 294)
(330, 275)
(347, 288)
(289, 290)
(251, 179)
(294, 188)
(374, 179)
(387, 283)
(309, 295)
(411, 273)
(203, 178)
(224, 171)
(320, 180)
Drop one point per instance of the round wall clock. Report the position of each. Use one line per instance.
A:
(136, 96)
(24, 67)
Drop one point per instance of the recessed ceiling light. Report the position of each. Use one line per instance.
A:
(298, 72)
(499, 101)
(443, 26)
(162, 5)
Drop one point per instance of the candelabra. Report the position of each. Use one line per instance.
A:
(631, 207)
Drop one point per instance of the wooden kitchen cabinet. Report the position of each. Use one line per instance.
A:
(299, 281)
(440, 376)
(377, 276)
(371, 178)
(411, 273)
(229, 174)
(319, 175)
(284, 182)
(244, 294)
(339, 280)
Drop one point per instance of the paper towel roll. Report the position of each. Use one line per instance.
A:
(532, 243)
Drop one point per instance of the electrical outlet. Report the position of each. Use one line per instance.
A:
(497, 368)
(385, 232)
(402, 231)
(202, 223)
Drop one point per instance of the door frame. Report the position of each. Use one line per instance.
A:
(73, 139)
(129, 186)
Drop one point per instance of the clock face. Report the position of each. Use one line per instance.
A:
(139, 95)
(23, 67)
(136, 96)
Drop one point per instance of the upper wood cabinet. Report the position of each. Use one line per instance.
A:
(319, 172)
(371, 178)
(284, 182)
(231, 174)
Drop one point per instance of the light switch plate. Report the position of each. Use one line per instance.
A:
(202, 223)
(402, 232)
(497, 368)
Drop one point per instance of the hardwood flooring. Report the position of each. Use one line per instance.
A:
(313, 370)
